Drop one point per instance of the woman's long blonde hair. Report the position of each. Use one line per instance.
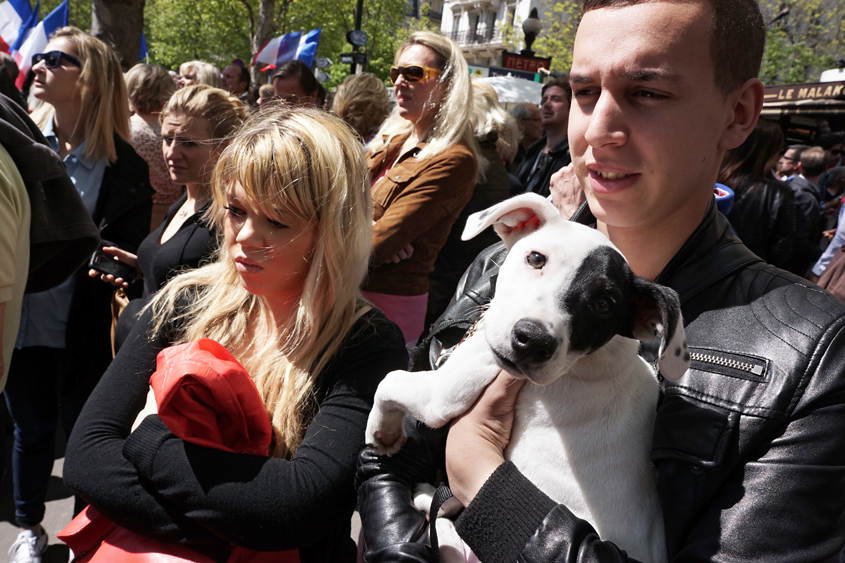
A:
(452, 122)
(103, 92)
(489, 116)
(308, 164)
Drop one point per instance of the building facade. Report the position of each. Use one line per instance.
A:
(476, 25)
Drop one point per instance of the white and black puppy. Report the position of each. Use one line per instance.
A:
(567, 315)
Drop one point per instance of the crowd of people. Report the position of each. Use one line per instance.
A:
(315, 235)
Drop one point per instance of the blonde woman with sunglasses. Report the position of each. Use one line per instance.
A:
(63, 343)
(424, 162)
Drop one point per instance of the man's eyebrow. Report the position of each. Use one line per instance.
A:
(634, 76)
(652, 76)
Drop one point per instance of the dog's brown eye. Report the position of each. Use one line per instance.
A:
(536, 260)
(602, 305)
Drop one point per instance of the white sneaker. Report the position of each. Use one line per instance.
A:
(29, 547)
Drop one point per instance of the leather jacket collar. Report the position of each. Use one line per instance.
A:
(711, 253)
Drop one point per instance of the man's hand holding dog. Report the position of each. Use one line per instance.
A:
(478, 438)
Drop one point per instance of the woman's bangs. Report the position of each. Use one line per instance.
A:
(272, 175)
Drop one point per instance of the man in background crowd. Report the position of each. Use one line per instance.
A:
(787, 166)
(803, 179)
(527, 116)
(235, 80)
(294, 82)
(551, 152)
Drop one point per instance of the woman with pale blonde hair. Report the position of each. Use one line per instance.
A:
(361, 100)
(63, 344)
(199, 72)
(424, 162)
(291, 196)
(197, 124)
(265, 96)
(149, 87)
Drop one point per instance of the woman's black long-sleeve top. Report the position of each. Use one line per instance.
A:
(159, 486)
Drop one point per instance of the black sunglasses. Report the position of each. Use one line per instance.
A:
(54, 59)
(412, 73)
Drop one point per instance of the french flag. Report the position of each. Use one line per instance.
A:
(289, 46)
(16, 19)
(38, 39)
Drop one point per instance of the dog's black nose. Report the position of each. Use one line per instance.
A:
(531, 342)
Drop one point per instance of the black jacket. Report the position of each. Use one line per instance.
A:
(61, 233)
(808, 225)
(748, 444)
(763, 215)
(558, 157)
(122, 215)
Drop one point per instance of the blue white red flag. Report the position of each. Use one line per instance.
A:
(14, 17)
(38, 39)
(289, 46)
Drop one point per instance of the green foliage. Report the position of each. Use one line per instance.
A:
(512, 35)
(785, 62)
(215, 31)
(557, 39)
(803, 41)
(219, 30)
(383, 21)
(79, 13)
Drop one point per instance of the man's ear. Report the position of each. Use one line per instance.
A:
(746, 103)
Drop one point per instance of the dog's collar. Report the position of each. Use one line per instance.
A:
(447, 353)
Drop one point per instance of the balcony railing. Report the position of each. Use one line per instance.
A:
(492, 34)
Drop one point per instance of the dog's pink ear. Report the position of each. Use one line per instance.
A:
(513, 218)
(656, 311)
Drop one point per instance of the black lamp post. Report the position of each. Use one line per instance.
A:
(531, 27)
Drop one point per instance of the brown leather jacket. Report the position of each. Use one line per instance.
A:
(416, 203)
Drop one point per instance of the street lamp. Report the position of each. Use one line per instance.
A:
(531, 27)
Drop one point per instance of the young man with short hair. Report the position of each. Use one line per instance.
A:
(551, 152)
(748, 445)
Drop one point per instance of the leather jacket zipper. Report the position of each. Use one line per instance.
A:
(734, 365)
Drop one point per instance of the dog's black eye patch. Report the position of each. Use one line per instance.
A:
(596, 300)
(536, 260)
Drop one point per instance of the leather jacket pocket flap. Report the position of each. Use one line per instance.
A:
(692, 431)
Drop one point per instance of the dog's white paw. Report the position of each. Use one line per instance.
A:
(385, 433)
(423, 495)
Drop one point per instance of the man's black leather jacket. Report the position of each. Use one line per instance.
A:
(763, 214)
(749, 444)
